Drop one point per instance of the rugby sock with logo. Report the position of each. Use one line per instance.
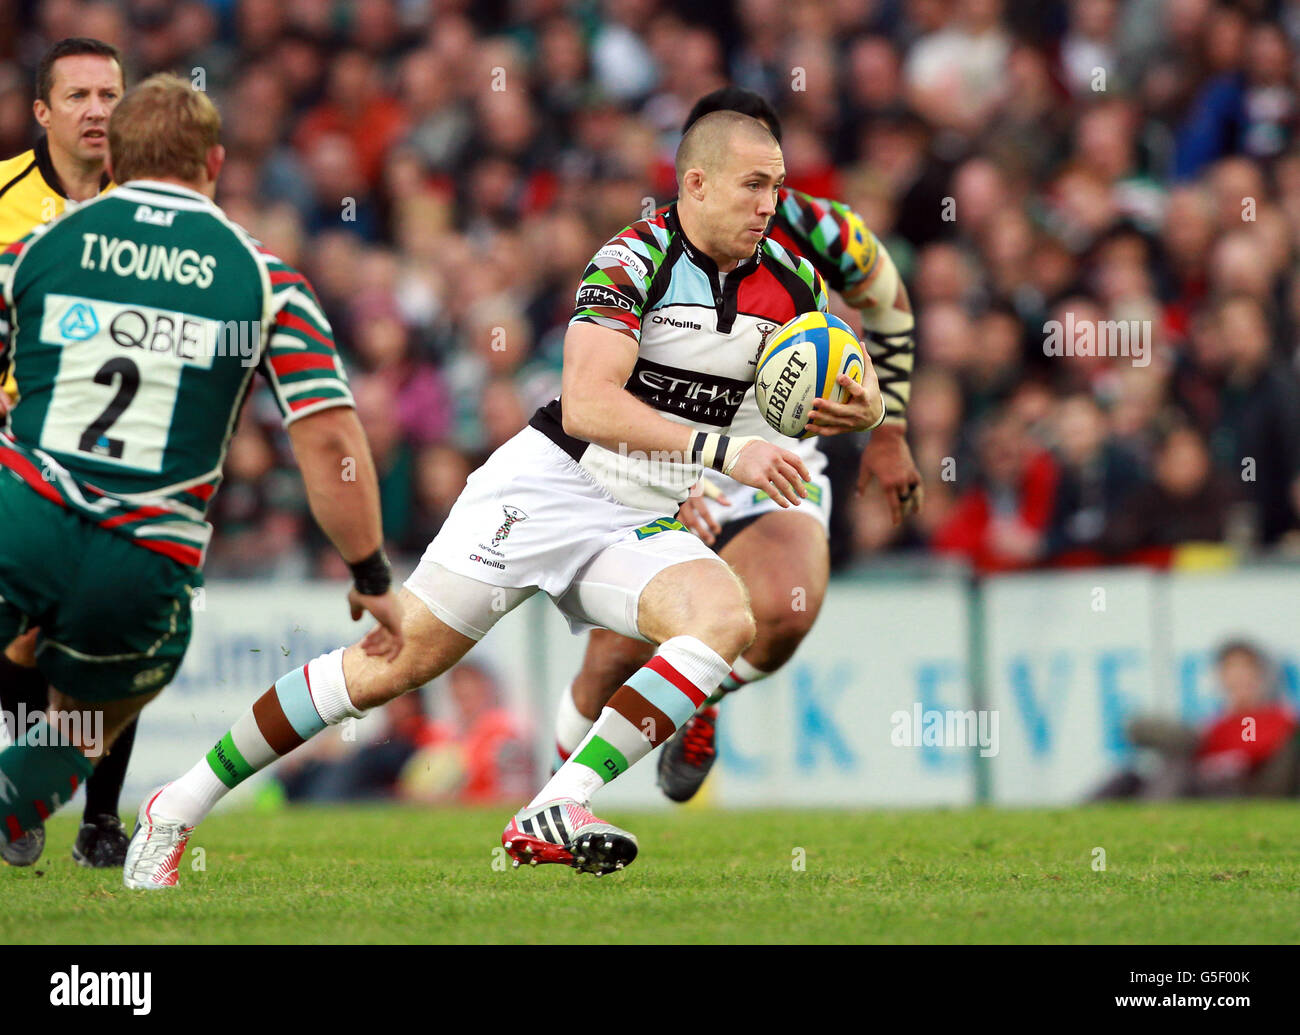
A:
(36, 779)
(570, 727)
(645, 712)
(742, 673)
(295, 709)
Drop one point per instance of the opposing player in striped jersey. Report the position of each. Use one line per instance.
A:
(659, 355)
(134, 327)
(747, 527)
(78, 83)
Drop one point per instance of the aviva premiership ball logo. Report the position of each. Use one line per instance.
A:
(513, 515)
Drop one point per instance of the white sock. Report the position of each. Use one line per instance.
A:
(191, 797)
(741, 674)
(315, 694)
(571, 726)
(671, 686)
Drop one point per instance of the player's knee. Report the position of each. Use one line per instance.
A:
(781, 628)
(730, 630)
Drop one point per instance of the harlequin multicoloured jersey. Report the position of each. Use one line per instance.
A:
(828, 234)
(699, 333)
(133, 327)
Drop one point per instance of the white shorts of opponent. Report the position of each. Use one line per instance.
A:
(530, 518)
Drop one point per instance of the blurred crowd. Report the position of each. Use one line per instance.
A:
(443, 169)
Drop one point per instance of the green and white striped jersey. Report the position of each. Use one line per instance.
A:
(133, 327)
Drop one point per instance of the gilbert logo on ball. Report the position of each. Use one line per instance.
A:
(802, 362)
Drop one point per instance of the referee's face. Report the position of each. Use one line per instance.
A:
(742, 198)
(83, 94)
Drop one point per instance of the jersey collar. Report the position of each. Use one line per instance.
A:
(45, 165)
(705, 262)
(169, 188)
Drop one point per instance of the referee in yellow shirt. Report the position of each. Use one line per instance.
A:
(78, 84)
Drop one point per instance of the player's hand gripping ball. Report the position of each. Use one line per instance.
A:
(802, 362)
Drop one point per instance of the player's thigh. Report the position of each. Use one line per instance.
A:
(94, 726)
(124, 626)
(655, 585)
(40, 543)
(784, 561)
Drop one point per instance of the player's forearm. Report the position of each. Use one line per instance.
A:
(612, 417)
(888, 327)
(339, 475)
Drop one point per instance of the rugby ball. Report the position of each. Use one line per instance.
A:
(802, 362)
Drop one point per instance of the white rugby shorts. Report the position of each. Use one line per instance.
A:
(530, 518)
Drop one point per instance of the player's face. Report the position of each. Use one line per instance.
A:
(743, 199)
(85, 90)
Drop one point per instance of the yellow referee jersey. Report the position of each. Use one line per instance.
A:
(30, 194)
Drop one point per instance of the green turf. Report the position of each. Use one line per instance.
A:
(1173, 874)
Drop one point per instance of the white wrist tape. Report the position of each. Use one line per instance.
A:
(719, 451)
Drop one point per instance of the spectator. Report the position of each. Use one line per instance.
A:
(1186, 503)
(1097, 476)
(1001, 524)
(1251, 749)
(1257, 438)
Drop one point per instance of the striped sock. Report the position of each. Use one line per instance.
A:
(644, 713)
(36, 779)
(570, 726)
(741, 674)
(295, 709)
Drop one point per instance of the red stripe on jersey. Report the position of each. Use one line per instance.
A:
(203, 492)
(761, 294)
(27, 471)
(291, 363)
(297, 323)
(658, 664)
(134, 515)
(298, 404)
(191, 556)
(285, 277)
(14, 249)
(15, 828)
(41, 809)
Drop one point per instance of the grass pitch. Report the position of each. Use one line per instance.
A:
(1172, 874)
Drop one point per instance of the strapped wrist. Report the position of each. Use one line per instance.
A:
(717, 451)
(372, 575)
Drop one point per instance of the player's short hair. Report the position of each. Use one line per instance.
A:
(705, 142)
(73, 46)
(735, 98)
(162, 127)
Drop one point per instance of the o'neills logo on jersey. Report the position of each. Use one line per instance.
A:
(146, 261)
(513, 516)
(693, 394)
(685, 325)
